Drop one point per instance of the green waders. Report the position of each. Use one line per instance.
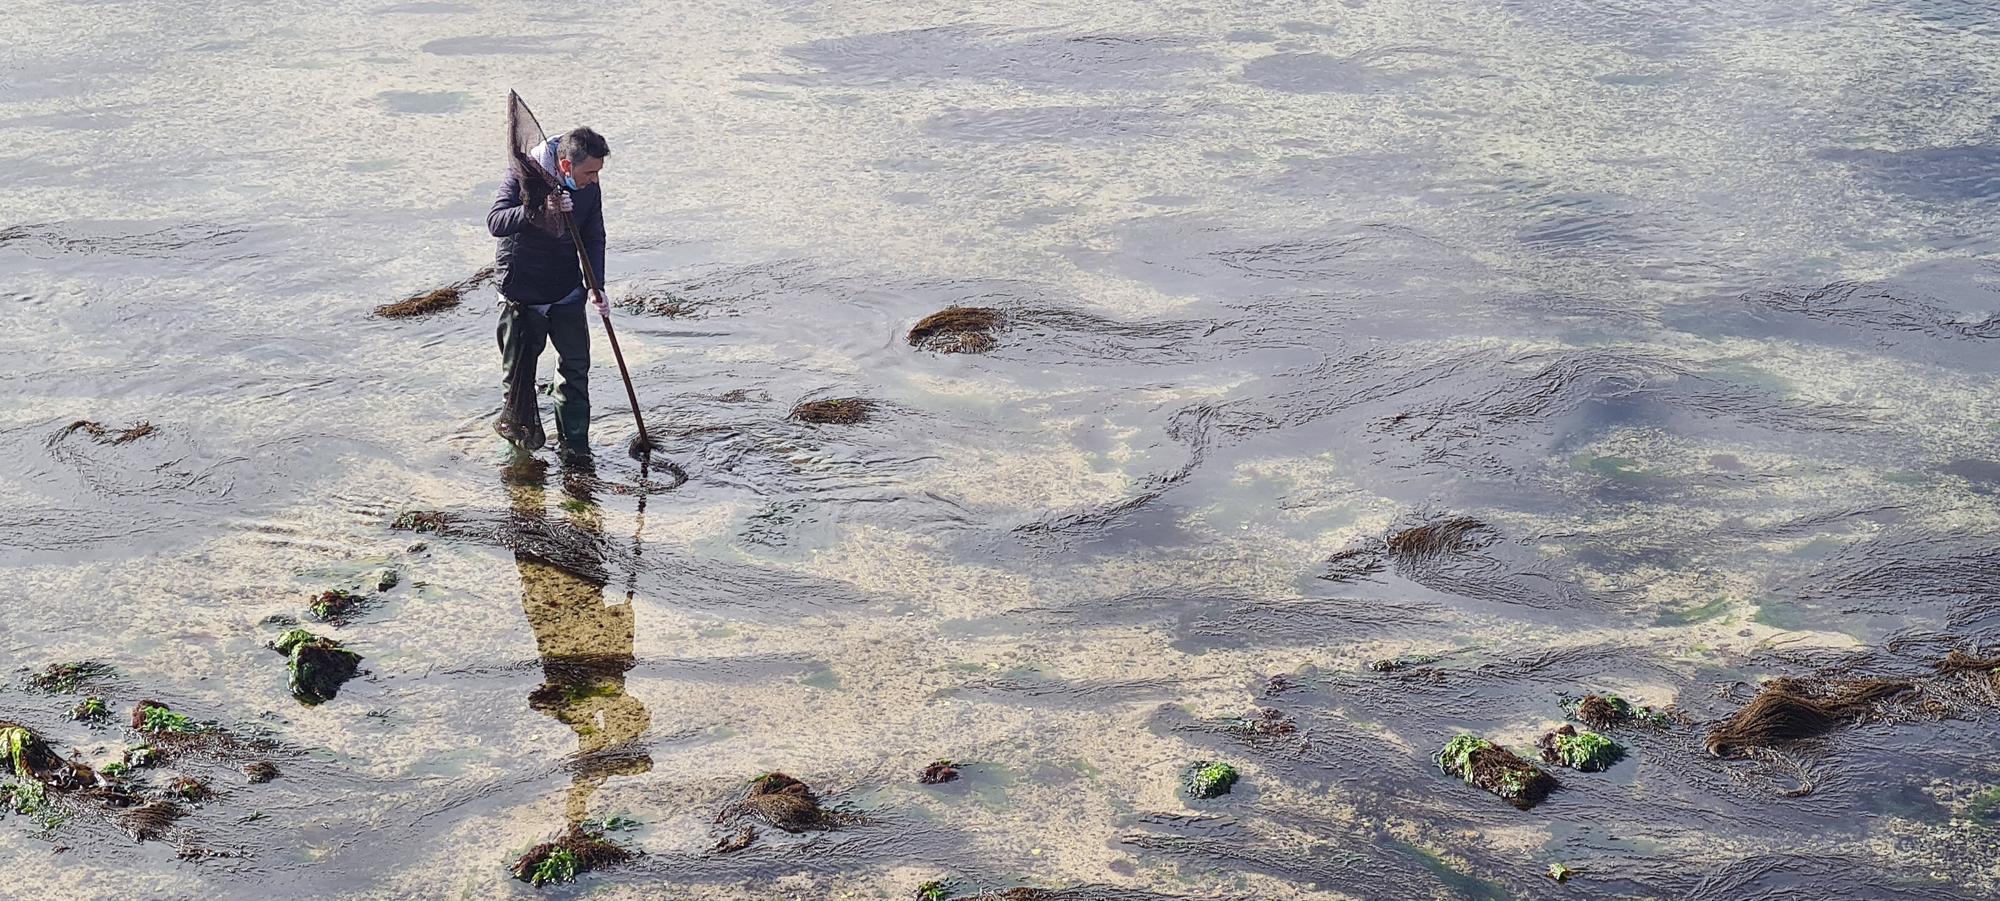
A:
(523, 333)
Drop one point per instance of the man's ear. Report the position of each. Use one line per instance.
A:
(563, 166)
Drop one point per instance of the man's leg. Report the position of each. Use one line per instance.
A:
(569, 330)
(523, 333)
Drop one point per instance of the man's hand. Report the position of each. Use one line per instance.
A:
(603, 306)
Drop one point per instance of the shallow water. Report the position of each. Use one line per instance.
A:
(1685, 303)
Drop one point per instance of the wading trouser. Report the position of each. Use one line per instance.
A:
(523, 334)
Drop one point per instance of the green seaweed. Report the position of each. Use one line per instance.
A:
(31, 799)
(90, 710)
(1560, 873)
(933, 890)
(1208, 779)
(557, 866)
(1984, 807)
(160, 719)
(1456, 758)
(1587, 751)
(114, 770)
(1705, 612)
(1495, 769)
(16, 745)
(141, 755)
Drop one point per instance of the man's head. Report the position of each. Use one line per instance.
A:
(580, 155)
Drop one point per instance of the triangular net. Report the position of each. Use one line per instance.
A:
(524, 153)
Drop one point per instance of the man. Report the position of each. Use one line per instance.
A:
(544, 292)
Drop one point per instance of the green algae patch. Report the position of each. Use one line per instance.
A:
(933, 890)
(1587, 751)
(62, 678)
(1703, 613)
(579, 850)
(318, 666)
(30, 799)
(1496, 770)
(1206, 779)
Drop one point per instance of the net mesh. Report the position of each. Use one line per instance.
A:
(524, 150)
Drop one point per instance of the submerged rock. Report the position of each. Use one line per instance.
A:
(578, 850)
(783, 802)
(1586, 751)
(1205, 779)
(938, 772)
(318, 666)
(260, 771)
(67, 677)
(1789, 709)
(1495, 769)
(834, 411)
(956, 330)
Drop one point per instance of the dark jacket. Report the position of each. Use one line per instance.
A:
(536, 266)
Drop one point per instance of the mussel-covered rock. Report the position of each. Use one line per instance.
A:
(1495, 769)
(318, 665)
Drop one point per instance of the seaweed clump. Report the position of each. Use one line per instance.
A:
(26, 753)
(1587, 751)
(939, 771)
(66, 677)
(154, 718)
(432, 521)
(1205, 779)
(435, 300)
(335, 605)
(101, 434)
(783, 802)
(1789, 709)
(1496, 770)
(578, 850)
(319, 666)
(957, 330)
(1268, 721)
(91, 710)
(834, 411)
(258, 772)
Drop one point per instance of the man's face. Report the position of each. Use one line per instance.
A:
(584, 173)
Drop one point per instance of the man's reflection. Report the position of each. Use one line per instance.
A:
(585, 643)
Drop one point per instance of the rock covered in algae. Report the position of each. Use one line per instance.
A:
(957, 330)
(1586, 751)
(1205, 779)
(318, 666)
(940, 771)
(834, 411)
(25, 753)
(1495, 769)
(781, 801)
(578, 850)
(433, 521)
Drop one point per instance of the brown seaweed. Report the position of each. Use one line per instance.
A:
(435, 300)
(954, 330)
(578, 850)
(104, 435)
(834, 411)
(783, 802)
(940, 771)
(1496, 770)
(1790, 709)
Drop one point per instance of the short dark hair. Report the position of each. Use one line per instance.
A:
(581, 144)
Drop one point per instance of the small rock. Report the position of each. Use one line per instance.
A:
(939, 771)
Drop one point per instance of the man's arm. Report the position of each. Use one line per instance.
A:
(507, 216)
